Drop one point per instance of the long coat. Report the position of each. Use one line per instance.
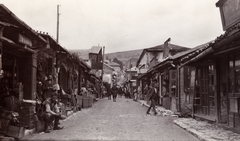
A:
(152, 94)
(114, 91)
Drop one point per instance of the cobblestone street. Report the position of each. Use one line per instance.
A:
(121, 120)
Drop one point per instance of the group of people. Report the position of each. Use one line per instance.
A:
(50, 106)
(116, 90)
(52, 112)
(112, 92)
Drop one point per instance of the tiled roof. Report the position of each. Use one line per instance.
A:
(161, 48)
(108, 66)
(9, 17)
(84, 53)
(114, 64)
(214, 44)
(171, 46)
(181, 54)
(95, 49)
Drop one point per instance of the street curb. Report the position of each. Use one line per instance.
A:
(142, 103)
(192, 131)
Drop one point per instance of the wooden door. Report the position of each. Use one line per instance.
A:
(205, 91)
(173, 89)
(160, 89)
(212, 92)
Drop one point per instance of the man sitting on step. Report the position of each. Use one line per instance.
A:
(51, 115)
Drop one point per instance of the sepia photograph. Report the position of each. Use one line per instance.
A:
(119, 70)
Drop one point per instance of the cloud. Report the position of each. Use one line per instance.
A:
(122, 24)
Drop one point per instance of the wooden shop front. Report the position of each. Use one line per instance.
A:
(217, 87)
(18, 70)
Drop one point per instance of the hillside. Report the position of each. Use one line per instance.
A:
(124, 55)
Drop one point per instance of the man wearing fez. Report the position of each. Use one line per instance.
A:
(52, 113)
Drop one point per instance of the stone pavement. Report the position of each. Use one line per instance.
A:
(203, 130)
(206, 131)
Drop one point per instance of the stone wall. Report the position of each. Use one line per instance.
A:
(27, 115)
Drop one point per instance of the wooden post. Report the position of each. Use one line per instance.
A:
(102, 72)
(58, 23)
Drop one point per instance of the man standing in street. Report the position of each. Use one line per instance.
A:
(152, 97)
(114, 92)
(108, 91)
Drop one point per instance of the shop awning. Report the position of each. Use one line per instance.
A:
(17, 46)
(199, 56)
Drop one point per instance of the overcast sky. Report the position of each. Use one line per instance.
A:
(122, 25)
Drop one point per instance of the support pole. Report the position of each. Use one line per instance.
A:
(102, 70)
(58, 23)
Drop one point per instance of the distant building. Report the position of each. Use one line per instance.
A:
(132, 62)
(131, 76)
(116, 66)
(151, 56)
(93, 57)
(107, 69)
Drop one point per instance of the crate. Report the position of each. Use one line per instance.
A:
(90, 101)
(86, 103)
(79, 101)
(15, 131)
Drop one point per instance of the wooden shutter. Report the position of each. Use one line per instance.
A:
(173, 83)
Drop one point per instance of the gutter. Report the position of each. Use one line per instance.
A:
(199, 56)
(226, 41)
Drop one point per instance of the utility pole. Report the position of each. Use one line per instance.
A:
(57, 69)
(58, 23)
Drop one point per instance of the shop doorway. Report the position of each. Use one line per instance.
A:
(205, 93)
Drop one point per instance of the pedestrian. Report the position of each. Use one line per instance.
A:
(135, 95)
(152, 97)
(114, 92)
(139, 92)
(145, 91)
(52, 113)
(108, 91)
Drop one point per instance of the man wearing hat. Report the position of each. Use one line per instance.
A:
(51, 114)
(152, 96)
(47, 87)
(114, 92)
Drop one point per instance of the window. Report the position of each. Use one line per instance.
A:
(237, 75)
(234, 74)
(173, 84)
(230, 76)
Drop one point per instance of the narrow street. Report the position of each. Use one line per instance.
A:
(121, 120)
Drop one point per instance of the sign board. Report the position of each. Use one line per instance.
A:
(24, 40)
(230, 12)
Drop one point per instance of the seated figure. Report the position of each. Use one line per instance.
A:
(52, 113)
